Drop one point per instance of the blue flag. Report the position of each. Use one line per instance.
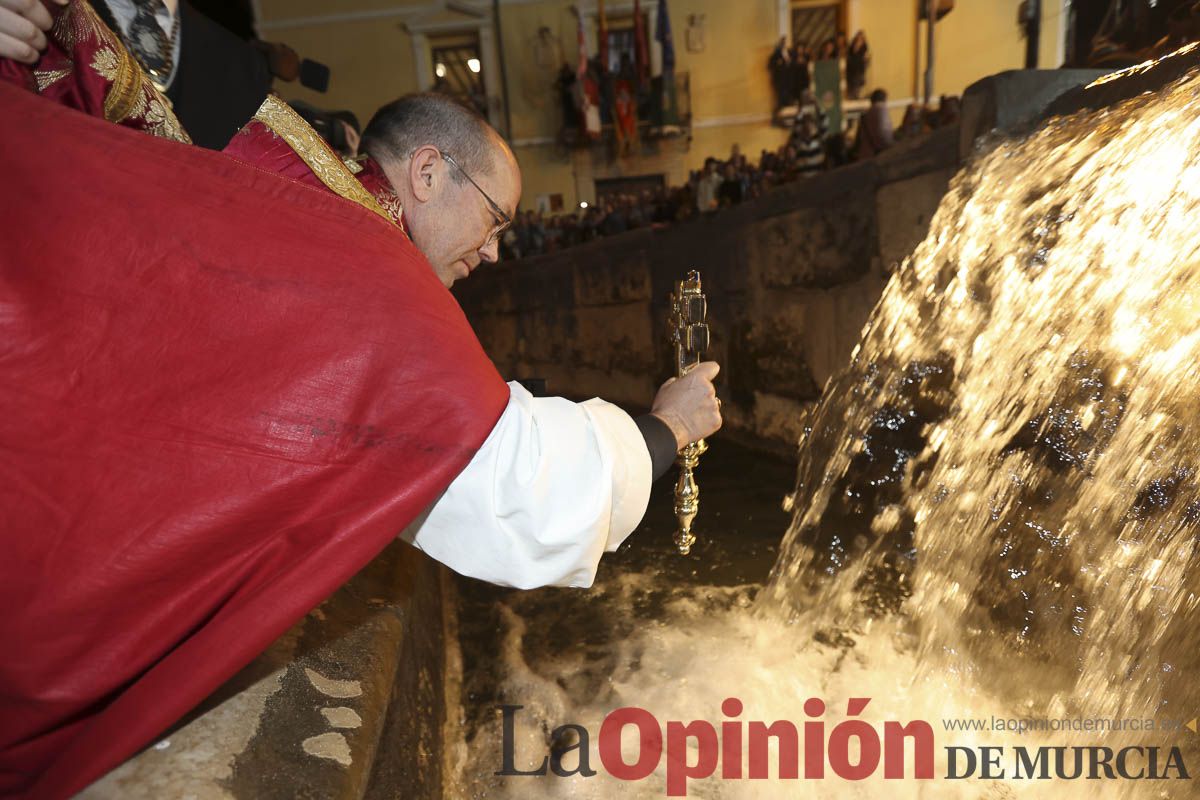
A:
(662, 33)
(665, 114)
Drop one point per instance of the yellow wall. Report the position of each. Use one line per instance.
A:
(730, 77)
(891, 29)
(370, 60)
(533, 100)
(977, 39)
(982, 37)
(367, 68)
(369, 48)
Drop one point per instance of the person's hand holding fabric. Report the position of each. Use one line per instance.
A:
(22, 29)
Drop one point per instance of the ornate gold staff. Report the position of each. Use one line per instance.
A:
(689, 334)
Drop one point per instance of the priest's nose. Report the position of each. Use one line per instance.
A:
(490, 252)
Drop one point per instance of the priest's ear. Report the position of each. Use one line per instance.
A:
(425, 169)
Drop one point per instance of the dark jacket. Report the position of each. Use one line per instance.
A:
(220, 80)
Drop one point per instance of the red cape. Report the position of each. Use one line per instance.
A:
(221, 393)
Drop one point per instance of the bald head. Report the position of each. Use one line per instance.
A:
(428, 118)
(457, 178)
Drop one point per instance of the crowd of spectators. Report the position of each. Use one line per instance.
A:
(722, 183)
(810, 148)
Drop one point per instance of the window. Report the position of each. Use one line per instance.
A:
(458, 69)
(815, 23)
(622, 43)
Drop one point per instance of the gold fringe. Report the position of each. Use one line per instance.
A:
(320, 158)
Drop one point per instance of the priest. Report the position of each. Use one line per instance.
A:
(228, 381)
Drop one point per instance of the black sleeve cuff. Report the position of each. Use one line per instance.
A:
(660, 441)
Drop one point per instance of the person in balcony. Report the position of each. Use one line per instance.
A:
(779, 68)
(858, 58)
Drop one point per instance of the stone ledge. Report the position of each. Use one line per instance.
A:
(306, 718)
(1009, 101)
(932, 152)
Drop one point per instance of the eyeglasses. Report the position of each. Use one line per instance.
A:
(502, 220)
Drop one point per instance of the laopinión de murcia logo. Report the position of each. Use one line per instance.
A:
(736, 749)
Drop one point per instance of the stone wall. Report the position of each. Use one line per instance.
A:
(348, 703)
(791, 278)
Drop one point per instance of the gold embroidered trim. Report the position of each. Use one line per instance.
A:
(70, 26)
(47, 78)
(117, 67)
(132, 96)
(320, 158)
(392, 205)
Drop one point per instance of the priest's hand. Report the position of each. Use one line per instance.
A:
(689, 405)
(23, 24)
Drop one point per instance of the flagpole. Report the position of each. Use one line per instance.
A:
(931, 13)
(503, 71)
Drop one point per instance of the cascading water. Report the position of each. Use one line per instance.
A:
(997, 510)
(1012, 458)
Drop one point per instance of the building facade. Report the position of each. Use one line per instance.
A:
(506, 56)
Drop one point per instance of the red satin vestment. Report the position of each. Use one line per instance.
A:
(222, 392)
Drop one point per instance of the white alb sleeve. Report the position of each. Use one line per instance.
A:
(554, 486)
